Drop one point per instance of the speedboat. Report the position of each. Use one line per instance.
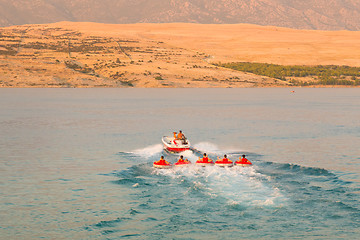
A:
(173, 145)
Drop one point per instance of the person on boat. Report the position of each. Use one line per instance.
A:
(205, 159)
(181, 136)
(182, 160)
(243, 160)
(225, 159)
(162, 161)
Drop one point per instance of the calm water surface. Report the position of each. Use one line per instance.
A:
(77, 164)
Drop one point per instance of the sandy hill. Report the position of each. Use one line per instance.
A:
(304, 14)
(68, 54)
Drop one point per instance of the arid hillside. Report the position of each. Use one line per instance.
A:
(304, 14)
(68, 54)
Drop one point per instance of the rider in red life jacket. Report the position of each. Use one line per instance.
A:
(243, 160)
(204, 159)
(162, 161)
(224, 160)
(182, 160)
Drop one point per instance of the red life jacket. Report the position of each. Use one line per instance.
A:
(244, 161)
(203, 160)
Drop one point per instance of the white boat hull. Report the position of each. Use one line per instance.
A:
(175, 146)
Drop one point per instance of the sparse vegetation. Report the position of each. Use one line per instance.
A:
(77, 67)
(320, 75)
(117, 75)
(9, 49)
(57, 57)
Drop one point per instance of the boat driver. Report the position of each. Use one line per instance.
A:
(181, 136)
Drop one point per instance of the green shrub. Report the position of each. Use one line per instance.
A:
(327, 75)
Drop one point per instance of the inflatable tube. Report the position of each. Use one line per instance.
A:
(204, 164)
(182, 164)
(223, 164)
(162, 166)
(242, 164)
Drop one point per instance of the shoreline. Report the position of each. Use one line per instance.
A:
(265, 87)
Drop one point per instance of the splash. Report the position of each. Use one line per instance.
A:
(190, 155)
(207, 147)
(236, 185)
(213, 148)
(263, 185)
(208, 198)
(148, 151)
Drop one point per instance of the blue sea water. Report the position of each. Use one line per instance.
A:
(77, 164)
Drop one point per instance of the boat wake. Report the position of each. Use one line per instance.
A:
(202, 200)
(207, 147)
(143, 154)
(231, 186)
(148, 151)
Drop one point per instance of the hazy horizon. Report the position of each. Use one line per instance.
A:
(307, 14)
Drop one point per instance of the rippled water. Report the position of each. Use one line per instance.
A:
(77, 164)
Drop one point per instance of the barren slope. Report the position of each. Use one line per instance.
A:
(160, 55)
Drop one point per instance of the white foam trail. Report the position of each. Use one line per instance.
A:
(211, 148)
(239, 185)
(148, 151)
(189, 155)
(207, 147)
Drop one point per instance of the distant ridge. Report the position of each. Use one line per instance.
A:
(304, 14)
